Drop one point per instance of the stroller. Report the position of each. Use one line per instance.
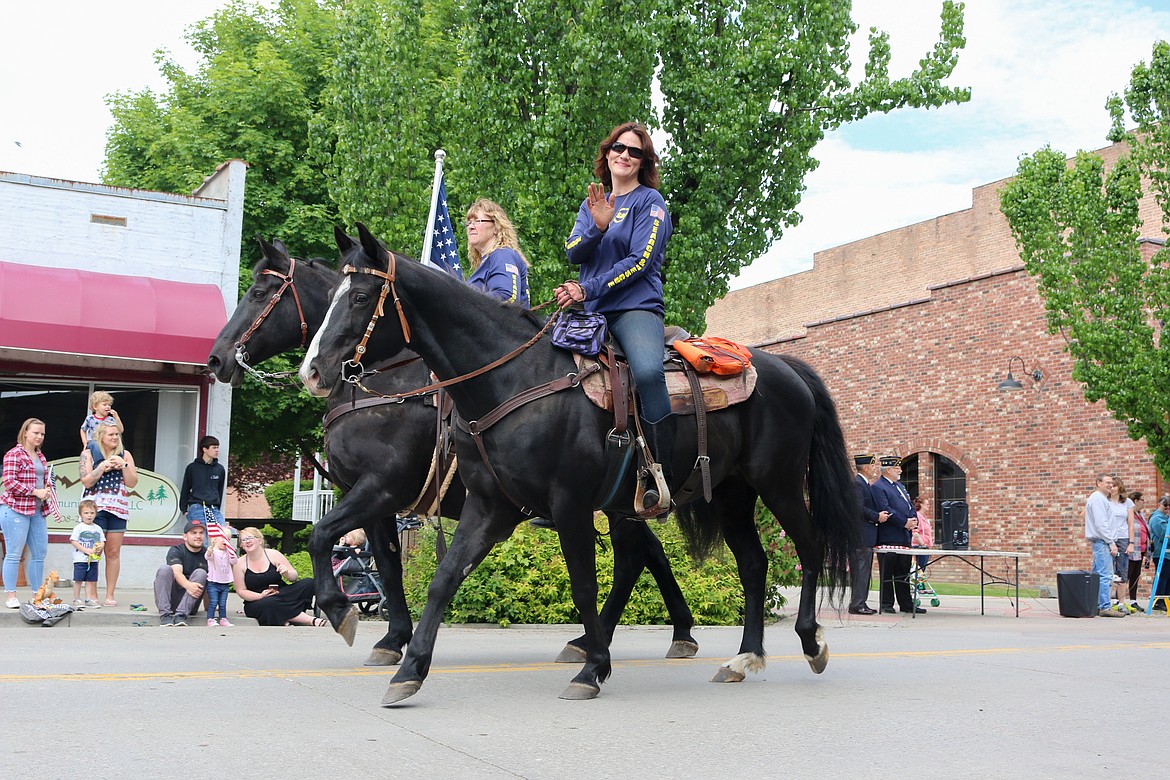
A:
(359, 579)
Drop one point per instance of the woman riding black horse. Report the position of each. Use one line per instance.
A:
(546, 456)
(380, 454)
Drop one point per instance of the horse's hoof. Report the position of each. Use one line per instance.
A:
(682, 648)
(571, 655)
(580, 692)
(820, 661)
(348, 625)
(399, 691)
(726, 675)
(381, 657)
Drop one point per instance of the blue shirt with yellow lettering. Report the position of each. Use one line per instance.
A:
(502, 273)
(620, 267)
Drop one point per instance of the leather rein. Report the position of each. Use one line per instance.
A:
(355, 363)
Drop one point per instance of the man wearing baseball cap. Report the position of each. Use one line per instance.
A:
(179, 583)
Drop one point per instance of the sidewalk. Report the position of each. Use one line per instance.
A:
(122, 615)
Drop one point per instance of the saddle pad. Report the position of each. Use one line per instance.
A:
(719, 392)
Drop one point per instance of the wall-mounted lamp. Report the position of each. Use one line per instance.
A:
(1011, 383)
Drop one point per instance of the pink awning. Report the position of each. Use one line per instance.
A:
(89, 313)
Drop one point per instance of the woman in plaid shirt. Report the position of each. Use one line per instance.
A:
(29, 494)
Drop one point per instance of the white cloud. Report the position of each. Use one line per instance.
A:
(1040, 72)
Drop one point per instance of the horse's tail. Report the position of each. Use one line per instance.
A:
(831, 496)
(699, 526)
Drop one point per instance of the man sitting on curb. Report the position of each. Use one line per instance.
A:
(182, 579)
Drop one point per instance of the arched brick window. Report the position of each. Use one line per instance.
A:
(936, 478)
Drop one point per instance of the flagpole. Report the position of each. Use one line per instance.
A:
(428, 239)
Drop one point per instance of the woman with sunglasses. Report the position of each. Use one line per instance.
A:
(619, 240)
(499, 267)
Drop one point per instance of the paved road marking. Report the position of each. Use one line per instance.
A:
(277, 674)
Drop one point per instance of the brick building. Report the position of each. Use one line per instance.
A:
(913, 330)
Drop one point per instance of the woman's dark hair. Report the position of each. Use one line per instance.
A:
(647, 171)
(1135, 495)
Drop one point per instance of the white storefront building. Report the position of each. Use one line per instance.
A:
(105, 288)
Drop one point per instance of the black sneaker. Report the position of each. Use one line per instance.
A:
(166, 621)
(180, 619)
(542, 522)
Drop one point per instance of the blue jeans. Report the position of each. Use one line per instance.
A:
(217, 593)
(205, 514)
(21, 530)
(1103, 567)
(640, 334)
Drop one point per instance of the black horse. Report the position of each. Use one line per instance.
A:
(548, 454)
(381, 454)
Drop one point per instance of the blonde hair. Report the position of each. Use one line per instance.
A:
(254, 531)
(99, 432)
(101, 396)
(86, 502)
(24, 431)
(505, 230)
(355, 538)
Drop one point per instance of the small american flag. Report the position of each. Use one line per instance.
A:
(657, 212)
(444, 250)
(217, 531)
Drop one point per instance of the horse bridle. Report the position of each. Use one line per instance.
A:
(355, 363)
(387, 278)
(242, 354)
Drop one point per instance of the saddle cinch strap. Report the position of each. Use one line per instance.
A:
(477, 427)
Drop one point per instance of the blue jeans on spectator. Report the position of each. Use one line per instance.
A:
(20, 530)
(1102, 567)
(217, 593)
(640, 334)
(205, 514)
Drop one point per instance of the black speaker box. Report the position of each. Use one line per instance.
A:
(1076, 593)
(954, 525)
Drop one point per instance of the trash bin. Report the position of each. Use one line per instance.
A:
(1076, 593)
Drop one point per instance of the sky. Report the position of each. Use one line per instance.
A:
(1040, 71)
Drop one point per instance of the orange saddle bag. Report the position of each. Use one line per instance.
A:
(714, 355)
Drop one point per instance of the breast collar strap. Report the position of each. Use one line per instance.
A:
(379, 312)
(275, 299)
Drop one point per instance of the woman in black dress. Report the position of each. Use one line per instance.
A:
(272, 593)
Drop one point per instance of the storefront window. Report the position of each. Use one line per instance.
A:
(161, 425)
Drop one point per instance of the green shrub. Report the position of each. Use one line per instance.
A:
(302, 563)
(279, 496)
(525, 580)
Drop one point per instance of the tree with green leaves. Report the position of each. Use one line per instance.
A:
(748, 88)
(1078, 228)
(252, 97)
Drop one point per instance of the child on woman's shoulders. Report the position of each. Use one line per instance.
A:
(101, 408)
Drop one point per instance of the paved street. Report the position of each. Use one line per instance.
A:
(949, 694)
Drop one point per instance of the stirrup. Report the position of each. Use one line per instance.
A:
(655, 500)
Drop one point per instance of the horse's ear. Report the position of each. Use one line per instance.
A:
(279, 246)
(344, 242)
(273, 254)
(371, 246)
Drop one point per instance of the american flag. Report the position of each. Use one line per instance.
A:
(444, 250)
(215, 530)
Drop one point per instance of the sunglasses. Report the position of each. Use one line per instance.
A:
(636, 153)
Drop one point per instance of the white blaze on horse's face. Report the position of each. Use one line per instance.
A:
(309, 377)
